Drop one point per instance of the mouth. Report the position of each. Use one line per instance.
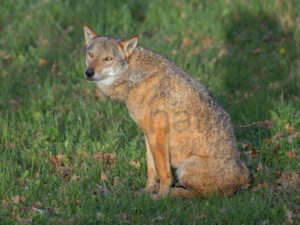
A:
(95, 78)
(91, 79)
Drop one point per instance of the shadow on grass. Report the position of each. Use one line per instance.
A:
(257, 65)
(260, 54)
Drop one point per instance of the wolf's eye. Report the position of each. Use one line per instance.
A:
(91, 54)
(108, 58)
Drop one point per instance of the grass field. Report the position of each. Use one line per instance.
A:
(68, 158)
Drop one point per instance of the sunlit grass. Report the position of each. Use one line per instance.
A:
(66, 158)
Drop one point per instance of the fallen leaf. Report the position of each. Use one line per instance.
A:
(108, 159)
(289, 128)
(37, 210)
(66, 173)
(277, 135)
(289, 215)
(23, 198)
(45, 42)
(103, 177)
(259, 167)
(276, 153)
(268, 139)
(265, 184)
(5, 202)
(98, 156)
(24, 220)
(288, 179)
(256, 51)
(249, 146)
(7, 59)
(66, 202)
(247, 95)
(195, 51)
(57, 160)
(35, 204)
(60, 157)
(116, 181)
(268, 124)
(85, 154)
(244, 146)
(223, 51)
(297, 134)
(60, 165)
(253, 152)
(16, 199)
(292, 154)
(185, 43)
(159, 218)
(43, 61)
(99, 215)
(207, 41)
(136, 164)
(74, 177)
(182, 15)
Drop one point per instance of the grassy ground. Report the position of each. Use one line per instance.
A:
(66, 158)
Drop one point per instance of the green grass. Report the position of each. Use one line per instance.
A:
(51, 126)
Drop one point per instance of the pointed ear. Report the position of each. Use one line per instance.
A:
(89, 34)
(129, 45)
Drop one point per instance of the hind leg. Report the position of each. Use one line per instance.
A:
(210, 176)
(181, 192)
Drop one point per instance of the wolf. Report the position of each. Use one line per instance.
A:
(184, 126)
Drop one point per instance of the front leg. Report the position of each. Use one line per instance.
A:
(158, 143)
(152, 181)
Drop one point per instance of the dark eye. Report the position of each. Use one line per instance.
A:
(91, 54)
(108, 58)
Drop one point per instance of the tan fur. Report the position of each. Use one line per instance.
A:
(180, 192)
(185, 128)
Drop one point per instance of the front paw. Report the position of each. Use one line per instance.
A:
(164, 191)
(159, 195)
(152, 188)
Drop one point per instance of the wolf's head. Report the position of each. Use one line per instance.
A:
(106, 57)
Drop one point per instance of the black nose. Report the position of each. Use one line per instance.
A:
(89, 72)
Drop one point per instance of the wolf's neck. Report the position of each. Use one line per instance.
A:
(142, 65)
